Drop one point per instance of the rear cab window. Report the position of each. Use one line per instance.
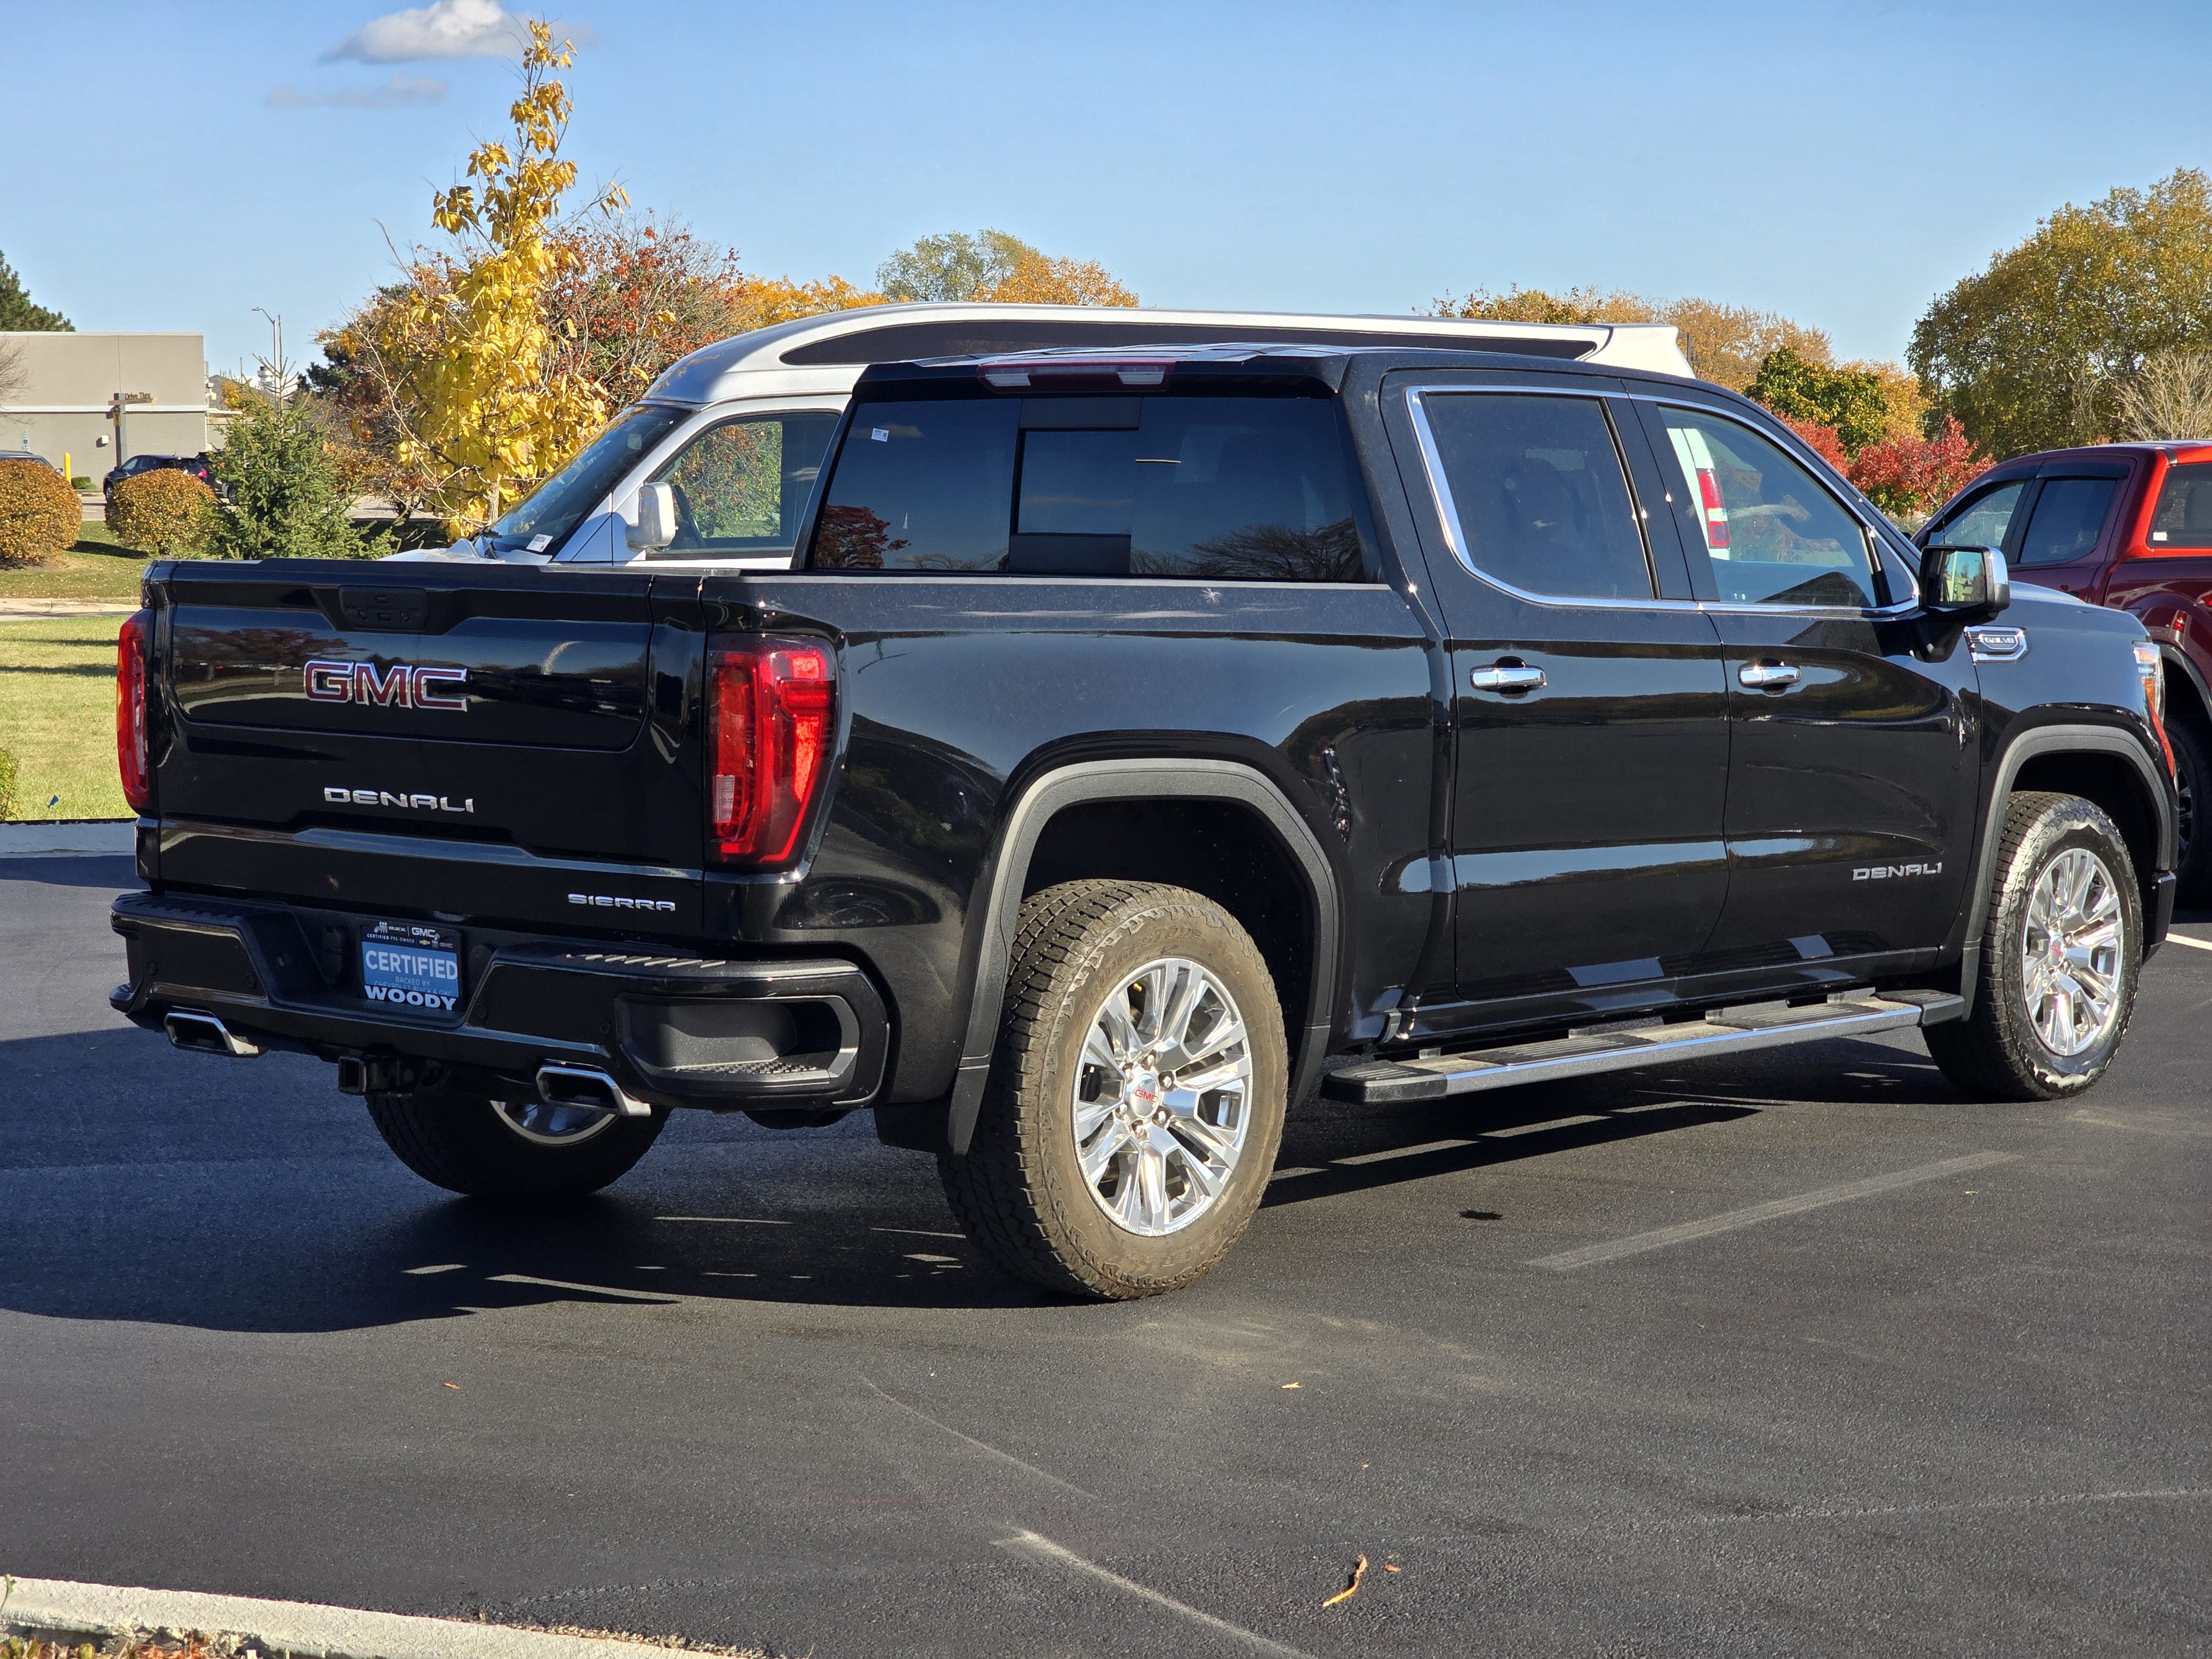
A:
(2182, 520)
(1199, 487)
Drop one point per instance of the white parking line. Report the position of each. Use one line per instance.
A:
(2184, 939)
(1040, 1548)
(1659, 1237)
(736, 1220)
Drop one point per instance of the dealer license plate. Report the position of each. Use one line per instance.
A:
(412, 966)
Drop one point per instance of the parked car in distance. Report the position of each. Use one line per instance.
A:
(132, 468)
(27, 455)
(197, 466)
(2127, 526)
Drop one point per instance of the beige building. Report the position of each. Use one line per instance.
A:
(101, 398)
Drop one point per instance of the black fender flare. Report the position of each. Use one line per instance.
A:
(2057, 740)
(991, 937)
(2174, 657)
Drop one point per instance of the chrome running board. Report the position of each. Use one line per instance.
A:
(1724, 1031)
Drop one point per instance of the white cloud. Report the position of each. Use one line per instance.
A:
(400, 92)
(442, 29)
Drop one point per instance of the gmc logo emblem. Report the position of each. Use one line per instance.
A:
(403, 686)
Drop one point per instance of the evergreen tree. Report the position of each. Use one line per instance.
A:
(286, 501)
(17, 313)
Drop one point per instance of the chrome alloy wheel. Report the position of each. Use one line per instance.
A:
(1161, 1097)
(552, 1126)
(2070, 952)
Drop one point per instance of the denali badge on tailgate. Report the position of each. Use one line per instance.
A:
(338, 797)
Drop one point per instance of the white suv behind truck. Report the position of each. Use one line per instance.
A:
(714, 463)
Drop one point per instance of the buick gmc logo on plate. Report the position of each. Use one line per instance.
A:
(403, 686)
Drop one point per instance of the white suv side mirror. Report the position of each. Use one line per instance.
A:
(656, 518)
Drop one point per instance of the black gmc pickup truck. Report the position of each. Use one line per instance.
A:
(1139, 740)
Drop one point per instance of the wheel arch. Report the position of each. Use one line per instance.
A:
(2104, 766)
(1056, 830)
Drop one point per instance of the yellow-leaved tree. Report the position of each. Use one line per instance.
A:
(485, 397)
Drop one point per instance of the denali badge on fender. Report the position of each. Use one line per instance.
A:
(403, 686)
(1892, 872)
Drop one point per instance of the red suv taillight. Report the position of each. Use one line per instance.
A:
(771, 721)
(130, 711)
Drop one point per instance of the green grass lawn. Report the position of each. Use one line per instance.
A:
(58, 715)
(95, 568)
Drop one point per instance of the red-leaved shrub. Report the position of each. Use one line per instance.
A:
(1823, 440)
(1914, 476)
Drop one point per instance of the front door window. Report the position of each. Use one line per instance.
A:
(742, 485)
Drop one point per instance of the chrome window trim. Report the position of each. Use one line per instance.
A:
(1448, 516)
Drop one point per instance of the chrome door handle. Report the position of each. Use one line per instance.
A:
(1507, 677)
(1767, 676)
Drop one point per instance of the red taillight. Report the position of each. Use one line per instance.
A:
(131, 712)
(771, 719)
(1716, 524)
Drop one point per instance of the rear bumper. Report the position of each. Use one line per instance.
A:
(672, 1030)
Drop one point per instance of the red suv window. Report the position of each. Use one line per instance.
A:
(2183, 517)
(2070, 515)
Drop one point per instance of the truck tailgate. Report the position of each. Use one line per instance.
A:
(472, 741)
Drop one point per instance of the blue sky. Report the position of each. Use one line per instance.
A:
(174, 166)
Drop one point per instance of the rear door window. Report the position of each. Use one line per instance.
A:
(1207, 489)
(1773, 535)
(2183, 517)
(1534, 492)
(2066, 520)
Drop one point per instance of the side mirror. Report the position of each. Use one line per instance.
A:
(656, 518)
(1964, 584)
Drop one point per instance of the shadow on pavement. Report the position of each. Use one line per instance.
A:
(248, 1195)
(114, 872)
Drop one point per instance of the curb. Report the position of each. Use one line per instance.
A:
(17, 608)
(97, 839)
(56, 1609)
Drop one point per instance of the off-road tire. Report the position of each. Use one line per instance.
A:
(458, 1141)
(1019, 1192)
(1995, 1053)
(2192, 764)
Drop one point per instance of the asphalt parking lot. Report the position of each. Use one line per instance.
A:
(760, 1393)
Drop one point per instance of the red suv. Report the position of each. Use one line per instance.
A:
(2128, 526)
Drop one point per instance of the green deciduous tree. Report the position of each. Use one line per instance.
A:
(2032, 353)
(1725, 344)
(1851, 402)
(18, 315)
(992, 266)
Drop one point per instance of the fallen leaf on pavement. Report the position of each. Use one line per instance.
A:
(1352, 1589)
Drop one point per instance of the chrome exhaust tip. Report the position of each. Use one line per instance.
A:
(582, 1088)
(203, 1034)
